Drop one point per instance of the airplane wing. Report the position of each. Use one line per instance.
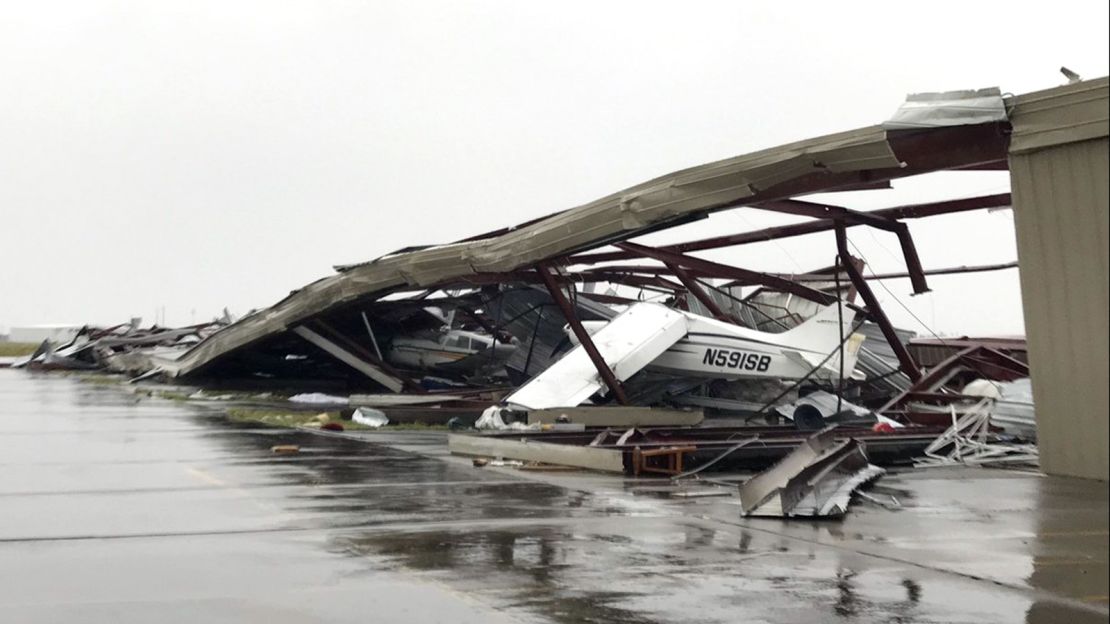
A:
(627, 344)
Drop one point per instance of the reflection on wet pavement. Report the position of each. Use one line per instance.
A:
(119, 510)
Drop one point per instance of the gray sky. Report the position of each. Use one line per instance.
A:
(196, 155)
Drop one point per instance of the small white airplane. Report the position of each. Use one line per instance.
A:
(652, 336)
(453, 350)
(719, 350)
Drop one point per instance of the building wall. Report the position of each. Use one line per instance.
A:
(1061, 196)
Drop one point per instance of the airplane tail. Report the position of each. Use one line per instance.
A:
(822, 334)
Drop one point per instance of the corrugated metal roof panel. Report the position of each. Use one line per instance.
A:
(1067, 114)
(617, 216)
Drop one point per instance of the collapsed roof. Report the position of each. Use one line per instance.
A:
(965, 130)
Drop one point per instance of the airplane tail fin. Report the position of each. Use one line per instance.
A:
(822, 334)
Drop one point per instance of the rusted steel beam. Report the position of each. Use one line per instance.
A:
(874, 308)
(699, 293)
(642, 269)
(933, 209)
(913, 261)
(863, 186)
(855, 217)
(948, 271)
(604, 298)
(729, 272)
(583, 336)
(639, 281)
(914, 211)
(822, 277)
(826, 211)
(986, 362)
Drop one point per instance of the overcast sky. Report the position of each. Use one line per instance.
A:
(196, 155)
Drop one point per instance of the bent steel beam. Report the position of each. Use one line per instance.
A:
(855, 217)
(817, 276)
(583, 336)
(874, 308)
(913, 211)
(730, 272)
(694, 288)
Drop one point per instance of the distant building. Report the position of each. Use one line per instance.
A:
(38, 333)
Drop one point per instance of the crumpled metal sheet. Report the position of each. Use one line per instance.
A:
(815, 479)
(952, 108)
(687, 193)
(825, 402)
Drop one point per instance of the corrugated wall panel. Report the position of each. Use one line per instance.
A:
(1062, 217)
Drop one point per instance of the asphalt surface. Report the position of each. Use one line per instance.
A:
(115, 508)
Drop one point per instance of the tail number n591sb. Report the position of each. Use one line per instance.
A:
(740, 360)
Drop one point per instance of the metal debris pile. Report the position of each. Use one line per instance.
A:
(578, 345)
(969, 441)
(125, 348)
(817, 478)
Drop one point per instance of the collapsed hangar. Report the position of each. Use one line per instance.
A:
(1053, 143)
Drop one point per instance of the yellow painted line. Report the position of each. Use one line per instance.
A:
(1102, 598)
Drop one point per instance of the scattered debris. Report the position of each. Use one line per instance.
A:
(970, 441)
(318, 398)
(668, 451)
(570, 345)
(703, 493)
(820, 407)
(1013, 410)
(497, 463)
(542, 467)
(927, 400)
(285, 448)
(124, 348)
(491, 419)
(815, 479)
(370, 417)
(619, 416)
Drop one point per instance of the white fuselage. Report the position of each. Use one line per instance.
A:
(432, 351)
(719, 350)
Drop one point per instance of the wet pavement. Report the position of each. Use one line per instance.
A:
(115, 508)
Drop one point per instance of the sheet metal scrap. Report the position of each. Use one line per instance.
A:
(969, 441)
(935, 389)
(124, 348)
(816, 479)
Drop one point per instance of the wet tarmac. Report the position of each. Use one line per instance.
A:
(120, 509)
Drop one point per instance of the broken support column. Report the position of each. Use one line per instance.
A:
(394, 384)
(583, 336)
(845, 216)
(695, 289)
(905, 360)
